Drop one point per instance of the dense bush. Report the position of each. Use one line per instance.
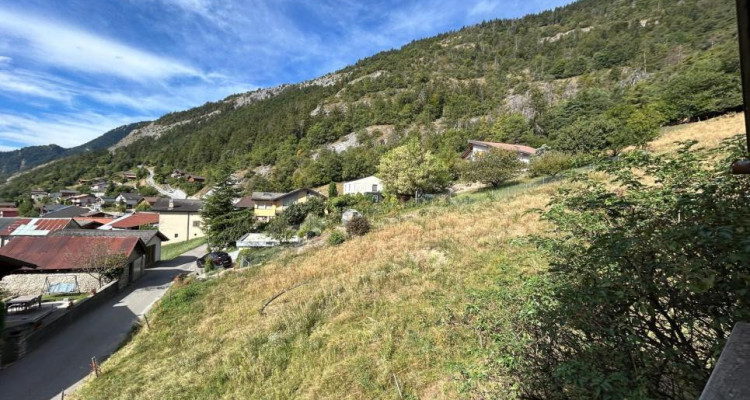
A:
(645, 281)
(493, 167)
(358, 226)
(551, 163)
(336, 238)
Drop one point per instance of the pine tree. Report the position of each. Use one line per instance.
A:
(222, 223)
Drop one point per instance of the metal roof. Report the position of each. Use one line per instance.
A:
(135, 220)
(146, 235)
(245, 202)
(36, 226)
(67, 252)
(66, 212)
(10, 264)
(270, 196)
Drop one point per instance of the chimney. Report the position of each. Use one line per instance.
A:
(171, 203)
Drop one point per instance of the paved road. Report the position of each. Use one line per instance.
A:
(166, 189)
(63, 360)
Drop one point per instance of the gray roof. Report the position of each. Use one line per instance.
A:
(5, 222)
(271, 196)
(162, 205)
(131, 196)
(66, 212)
(145, 235)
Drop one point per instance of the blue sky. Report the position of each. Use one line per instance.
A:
(71, 70)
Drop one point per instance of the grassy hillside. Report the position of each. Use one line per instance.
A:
(419, 308)
(592, 76)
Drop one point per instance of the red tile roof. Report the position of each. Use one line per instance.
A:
(505, 146)
(62, 252)
(136, 220)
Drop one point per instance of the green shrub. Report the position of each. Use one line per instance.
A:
(551, 163)
(645, 281)
(336, 238)
(358, 226)
(313, 225)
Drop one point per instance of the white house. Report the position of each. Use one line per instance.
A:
(369, 185)
(477, 147)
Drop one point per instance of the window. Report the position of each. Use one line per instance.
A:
(374, 188)
(175, 235)
(196, 224)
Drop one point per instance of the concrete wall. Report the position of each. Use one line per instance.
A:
(364, 185)
(15, 343)
(28, 284)
(179, 227)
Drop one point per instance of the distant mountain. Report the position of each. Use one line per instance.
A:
(27, 158)
(580, 79)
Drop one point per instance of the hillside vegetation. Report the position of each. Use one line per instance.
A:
(597, 75)
(437, 302)
(12, 162)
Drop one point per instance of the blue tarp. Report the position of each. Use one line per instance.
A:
(63, 288)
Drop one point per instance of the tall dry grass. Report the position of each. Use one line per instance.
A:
(380, 316)
(709, 133)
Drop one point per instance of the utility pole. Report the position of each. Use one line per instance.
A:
(743, 34)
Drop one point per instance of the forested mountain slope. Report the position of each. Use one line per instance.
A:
(592, 76)
(26, 158)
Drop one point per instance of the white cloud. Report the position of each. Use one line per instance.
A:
(50, 43)
(66, 130)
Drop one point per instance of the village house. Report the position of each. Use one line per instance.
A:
(368, 185)
(103, 202)
(148, 201)
(11, 228)
(39, 194)
(6, 212)
(178, 173)
(152, 239)
(98, 187)
(72, 260)
(179, 220)
(82, 200)
(63, 211)
(63, 195)
(129, 200)
(477, 147)
(129, 175)
(195, 178)
(267, 205)
(135, 221)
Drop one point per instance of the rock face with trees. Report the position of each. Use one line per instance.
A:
(594, 76)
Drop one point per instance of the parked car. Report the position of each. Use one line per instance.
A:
(219, 258)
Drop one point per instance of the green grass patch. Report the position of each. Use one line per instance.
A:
(76, 297)
(171, 251)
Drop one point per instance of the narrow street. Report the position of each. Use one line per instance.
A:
(63, 360)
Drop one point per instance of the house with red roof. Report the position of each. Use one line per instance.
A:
(70, 258)
(478, 147)
(135, 221)
(7, 212)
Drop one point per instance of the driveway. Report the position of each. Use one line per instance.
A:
(63, 360)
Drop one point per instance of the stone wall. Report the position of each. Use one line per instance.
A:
(26, 284)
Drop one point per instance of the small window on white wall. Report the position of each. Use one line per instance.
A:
(175, 235)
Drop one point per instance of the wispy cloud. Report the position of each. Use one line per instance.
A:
(57, 45)
(71, 70)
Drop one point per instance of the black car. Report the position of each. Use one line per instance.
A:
(219, 258)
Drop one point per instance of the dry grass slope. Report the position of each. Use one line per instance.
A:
(386, 307)
(382, 316)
